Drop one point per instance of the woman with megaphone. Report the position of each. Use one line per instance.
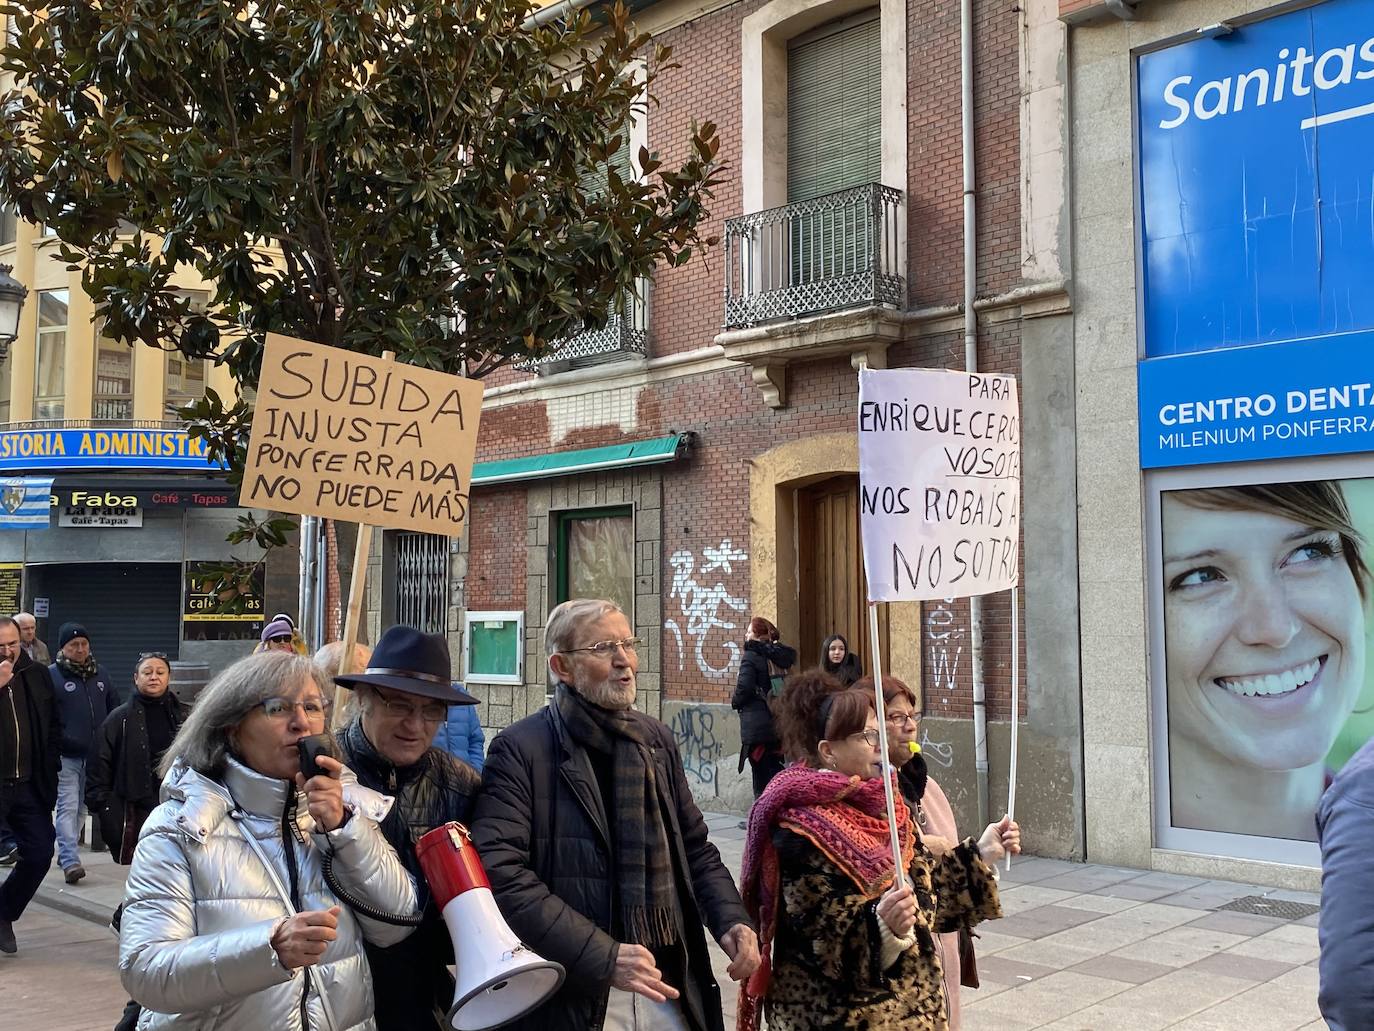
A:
(228, 918)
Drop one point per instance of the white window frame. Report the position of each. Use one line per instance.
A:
(469, 618)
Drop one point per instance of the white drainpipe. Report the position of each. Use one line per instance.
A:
(975, 604)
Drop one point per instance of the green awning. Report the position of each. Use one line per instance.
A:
(592, 459)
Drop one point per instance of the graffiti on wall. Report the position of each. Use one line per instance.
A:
(709, 612)
(940, 753)
(946, 643)
(694, 730)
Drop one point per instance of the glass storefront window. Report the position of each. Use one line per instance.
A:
(1262, 689)
(595, 556)
(51, 362)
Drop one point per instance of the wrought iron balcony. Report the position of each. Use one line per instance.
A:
(626, 333)
(830, 253)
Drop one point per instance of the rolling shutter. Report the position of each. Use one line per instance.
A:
(834, 110)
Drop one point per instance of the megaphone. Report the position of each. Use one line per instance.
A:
(500, 979)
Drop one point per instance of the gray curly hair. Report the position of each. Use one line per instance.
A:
(203, 743)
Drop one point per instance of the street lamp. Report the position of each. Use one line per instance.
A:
(12, 294)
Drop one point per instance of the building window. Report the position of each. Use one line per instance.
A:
(5, 388)
(834, 109)
(420, 581)
(9, 226)
(114, 380)
(184, 379)
(594, 556)
(50, 365)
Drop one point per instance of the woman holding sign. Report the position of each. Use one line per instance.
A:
(841, 946)
(1264, 609)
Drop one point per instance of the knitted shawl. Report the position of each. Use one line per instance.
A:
(846, 819)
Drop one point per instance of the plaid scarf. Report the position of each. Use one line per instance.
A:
(643, 865)
(846, 819)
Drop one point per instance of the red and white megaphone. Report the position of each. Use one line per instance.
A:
(499, 978)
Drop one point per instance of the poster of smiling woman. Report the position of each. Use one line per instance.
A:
(1267, 602)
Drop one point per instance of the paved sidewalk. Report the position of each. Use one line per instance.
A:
(1081, 948)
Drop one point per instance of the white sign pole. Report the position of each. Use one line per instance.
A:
(880, 707)
(1015, 706)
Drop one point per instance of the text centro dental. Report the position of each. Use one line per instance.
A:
(1260, 86)
(1318, 399)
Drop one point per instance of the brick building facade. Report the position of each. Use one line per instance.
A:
(766, 407)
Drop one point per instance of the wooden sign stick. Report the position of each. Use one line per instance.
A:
(357, 589)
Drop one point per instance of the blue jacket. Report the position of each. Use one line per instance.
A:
(461, 736)
(82, 706)
(1345, 828)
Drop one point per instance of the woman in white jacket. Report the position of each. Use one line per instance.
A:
(228, 919)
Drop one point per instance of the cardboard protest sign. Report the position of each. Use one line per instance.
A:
(940, 483)
(367, 440)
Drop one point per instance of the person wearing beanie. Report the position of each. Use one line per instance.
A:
(280, 635)
(85, 697)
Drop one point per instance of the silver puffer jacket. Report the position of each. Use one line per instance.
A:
(200, 907)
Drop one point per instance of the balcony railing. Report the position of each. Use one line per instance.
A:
(93, 424)
(826, 254)
(626, 333)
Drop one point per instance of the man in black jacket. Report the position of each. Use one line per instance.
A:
(30, 758)
(403, 697)
(597, 854)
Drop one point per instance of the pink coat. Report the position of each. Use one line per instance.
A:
(940, 823)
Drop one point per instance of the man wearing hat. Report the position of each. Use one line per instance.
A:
(84, 698)
(402, 699)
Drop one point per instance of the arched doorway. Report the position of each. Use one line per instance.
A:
(831, 597)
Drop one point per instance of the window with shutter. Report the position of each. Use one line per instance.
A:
(834, 109)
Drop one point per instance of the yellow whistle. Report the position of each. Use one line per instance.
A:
(915, 748)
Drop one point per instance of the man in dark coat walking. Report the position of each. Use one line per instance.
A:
(597, 854)
(30, 758)
(403, 697)
(85, 698)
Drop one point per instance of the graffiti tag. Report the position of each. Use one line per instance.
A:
(706, 609)
(694, 730)
(946, 644)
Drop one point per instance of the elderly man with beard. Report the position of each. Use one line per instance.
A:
(402, 698)
(596, 852)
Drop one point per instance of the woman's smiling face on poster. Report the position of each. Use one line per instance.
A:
(1265, 634)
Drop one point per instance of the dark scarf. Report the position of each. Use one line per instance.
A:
(84, 671)
(643, 864)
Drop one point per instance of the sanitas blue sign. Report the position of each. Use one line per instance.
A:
(1308, 397)
(1256, 173)
(41, 449)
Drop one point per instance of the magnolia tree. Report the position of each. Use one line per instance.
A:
(403, 175)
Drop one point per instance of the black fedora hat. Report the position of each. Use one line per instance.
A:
(407, 660)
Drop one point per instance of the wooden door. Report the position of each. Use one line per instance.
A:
(831, 581)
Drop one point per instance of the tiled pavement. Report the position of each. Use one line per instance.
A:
(1081, 948)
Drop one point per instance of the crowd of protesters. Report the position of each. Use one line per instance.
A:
(258, 896)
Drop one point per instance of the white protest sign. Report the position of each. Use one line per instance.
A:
(939, 482)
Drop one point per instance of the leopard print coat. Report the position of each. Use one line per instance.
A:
(827, 972)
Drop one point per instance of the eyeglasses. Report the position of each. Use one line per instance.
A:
(282, 708)
(280, 639)
(902, 719)
(605, 649)
(434, 712)
(870, 736)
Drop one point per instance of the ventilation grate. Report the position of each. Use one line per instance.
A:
(1259, 905)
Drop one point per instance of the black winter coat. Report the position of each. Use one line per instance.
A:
(409, 979)
(40, 720)
(85, 704)
(752, 685)
(120, 771)
(541, 829)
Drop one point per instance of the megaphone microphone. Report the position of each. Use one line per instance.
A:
(500, 979)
